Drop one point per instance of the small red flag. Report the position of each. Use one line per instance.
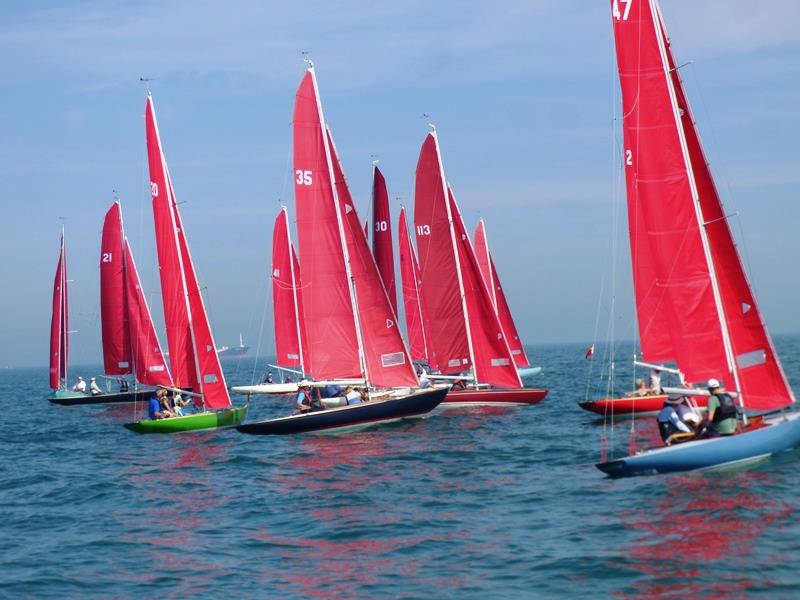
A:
(590, 352)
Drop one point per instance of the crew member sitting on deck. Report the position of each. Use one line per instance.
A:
(123, 384)
(722, 417)
(353, 396)
(305, 399)
(655, 380)
(268, 377)
(640, 390)
(93, 387)
(156, 408)
(178, 403)
(424, 382)
(80, 385)
(457, 385)
(670, 422)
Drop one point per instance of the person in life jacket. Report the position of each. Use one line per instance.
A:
(677, 420)
(722, 417)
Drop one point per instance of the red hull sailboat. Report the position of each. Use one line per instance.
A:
(465, 330)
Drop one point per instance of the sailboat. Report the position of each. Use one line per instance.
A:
(115, 317)
(465, 330)
(351, 329)
(193, 355)
(234, 351)
(695, 305)
(417, 326)
(498, 296)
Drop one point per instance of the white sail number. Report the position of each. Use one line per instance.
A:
(302, 177)
(616, 12)
(154, 189)
(381, 226)
(107, 257)
(423, 229)
(629, 158)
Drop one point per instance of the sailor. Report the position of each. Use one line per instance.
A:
(158, 407)
(353, 396)
(639, 391)
(669, 419)
(458, 384)
(93, 387)
(80, 385)
(305, 399)
(123, 384)
(722, 416)
(268, 378)
(424, 381)
(655, 380)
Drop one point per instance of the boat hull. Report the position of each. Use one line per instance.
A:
(196, 422)
(770, 436)
(350, 417)
(494, 397)
(70, 398)
(640, 406)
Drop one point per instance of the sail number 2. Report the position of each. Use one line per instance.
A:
(621, 15)
(302, 177)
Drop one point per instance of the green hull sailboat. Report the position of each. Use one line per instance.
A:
(205, 420)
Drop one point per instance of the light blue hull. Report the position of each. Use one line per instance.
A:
(528, 371)
(779, 433)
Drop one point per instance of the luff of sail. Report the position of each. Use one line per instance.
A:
(694, 302)
(382, 248)
(386, 356)
(59, 323)
(184, 312)
(489, 271)
(290, 336)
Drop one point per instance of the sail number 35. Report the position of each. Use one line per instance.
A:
(302, 177)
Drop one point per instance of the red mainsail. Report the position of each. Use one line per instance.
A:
(499, 301)
(416, 322)
(290, 336)
(193, 355)
(694, 302)
(59, 323)
(382, 248)
(333, 349)
(117, 358)
(440, 288)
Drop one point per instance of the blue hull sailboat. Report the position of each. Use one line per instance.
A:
(695, 305)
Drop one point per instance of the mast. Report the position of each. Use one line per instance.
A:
(348, 270)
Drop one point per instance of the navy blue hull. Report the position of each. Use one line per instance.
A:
(778, 434)
(111, 398)
(350, 416)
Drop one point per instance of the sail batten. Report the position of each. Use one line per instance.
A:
(689, 282)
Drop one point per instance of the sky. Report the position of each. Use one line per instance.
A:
(524, 96)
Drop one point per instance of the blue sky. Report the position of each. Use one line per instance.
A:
(523, 95)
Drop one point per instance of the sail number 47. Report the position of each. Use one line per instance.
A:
(616, 12)
(302, 177)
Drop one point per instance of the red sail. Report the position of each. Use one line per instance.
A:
(416, 322)
(499, 301)
(113, 312)
(173, 285)
(290, 337)
(59, 324)
(694, 302)
(491, 355)
(382, 235)
(149, 365)
(332, 343)
(440, 289)
(387, 360)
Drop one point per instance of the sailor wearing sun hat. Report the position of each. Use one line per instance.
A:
(94, 388)
(670, 419)
(305, 400)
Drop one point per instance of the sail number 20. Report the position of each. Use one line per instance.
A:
(621, 15)
(302, 177)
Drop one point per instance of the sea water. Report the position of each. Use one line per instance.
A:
(467, 503)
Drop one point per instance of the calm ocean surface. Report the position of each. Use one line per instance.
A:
(491, 503)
